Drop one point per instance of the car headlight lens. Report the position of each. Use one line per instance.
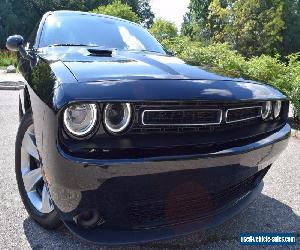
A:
(266, 110)
(117, 117)
(80, 119)
(277, 109)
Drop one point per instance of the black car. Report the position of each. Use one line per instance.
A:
(125, 143)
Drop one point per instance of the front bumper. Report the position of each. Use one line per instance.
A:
(156, 198)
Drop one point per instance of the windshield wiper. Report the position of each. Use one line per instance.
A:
(145, 50)
(72, 45)
(154, 51)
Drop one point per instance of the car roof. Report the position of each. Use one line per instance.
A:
(80, 13)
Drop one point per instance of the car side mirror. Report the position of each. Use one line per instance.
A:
(16, 43)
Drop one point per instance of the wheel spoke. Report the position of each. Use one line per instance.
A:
(29, 145)
(32, 176)
(47, 206)
(31, 179)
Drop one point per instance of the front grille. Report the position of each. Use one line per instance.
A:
(193, 117)
(242, 114)
(189, 117)
(187, 207)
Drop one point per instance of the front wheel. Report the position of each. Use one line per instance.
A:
(33, 190)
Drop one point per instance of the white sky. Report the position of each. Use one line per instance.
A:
(171, 10)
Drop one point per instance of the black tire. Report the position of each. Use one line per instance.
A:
(48, 221)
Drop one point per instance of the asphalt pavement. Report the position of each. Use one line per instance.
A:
(277, 209)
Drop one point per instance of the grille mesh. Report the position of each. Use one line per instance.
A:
(240, 114)
(181, 117)
(187, 206)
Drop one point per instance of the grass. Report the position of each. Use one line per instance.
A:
(7, 58)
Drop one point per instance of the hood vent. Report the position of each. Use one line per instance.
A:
(100, 52)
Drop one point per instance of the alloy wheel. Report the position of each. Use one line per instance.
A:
(36, 189)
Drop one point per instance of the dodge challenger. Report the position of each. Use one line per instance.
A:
(122, 142)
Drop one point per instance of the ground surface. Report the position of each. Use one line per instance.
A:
(276, 210)
(4, 77)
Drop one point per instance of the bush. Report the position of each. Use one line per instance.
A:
(163, 29)
(7, 58)
(291, 82)
(219, 58)
(222, 59)
(266, 69)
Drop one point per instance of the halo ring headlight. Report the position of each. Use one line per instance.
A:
(117, 117)
(80, 119)
(277, 109)
(266, 110)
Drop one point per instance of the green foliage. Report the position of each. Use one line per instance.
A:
(8, 20)
(7, 58)
(222, 59)
(118, 9)
(218, 57)
(219, 21)
(145, 13)
(267, 69)
(252, 27)
(291, 33)
(163, 29)
(178, 44)
(257, 26)
(195, 20)
(290, 81)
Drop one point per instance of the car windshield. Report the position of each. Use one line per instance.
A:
(98, 31)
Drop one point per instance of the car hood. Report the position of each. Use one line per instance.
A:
(88, 67)
(133, 76)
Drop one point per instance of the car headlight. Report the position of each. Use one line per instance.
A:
(117, 117)
(266, 110)
(80, 119)
(277, 109)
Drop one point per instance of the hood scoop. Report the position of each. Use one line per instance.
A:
(100, 52)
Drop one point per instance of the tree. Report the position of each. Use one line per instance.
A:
(145, 13)
(41, 6)
(291, 33)
(8, 20)
(195, 20)
(93, 4)
(118, 9)
(257, 26)
(12, 19)
(252, 27)
(219, 21)
(141, 7)
(163, 29)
